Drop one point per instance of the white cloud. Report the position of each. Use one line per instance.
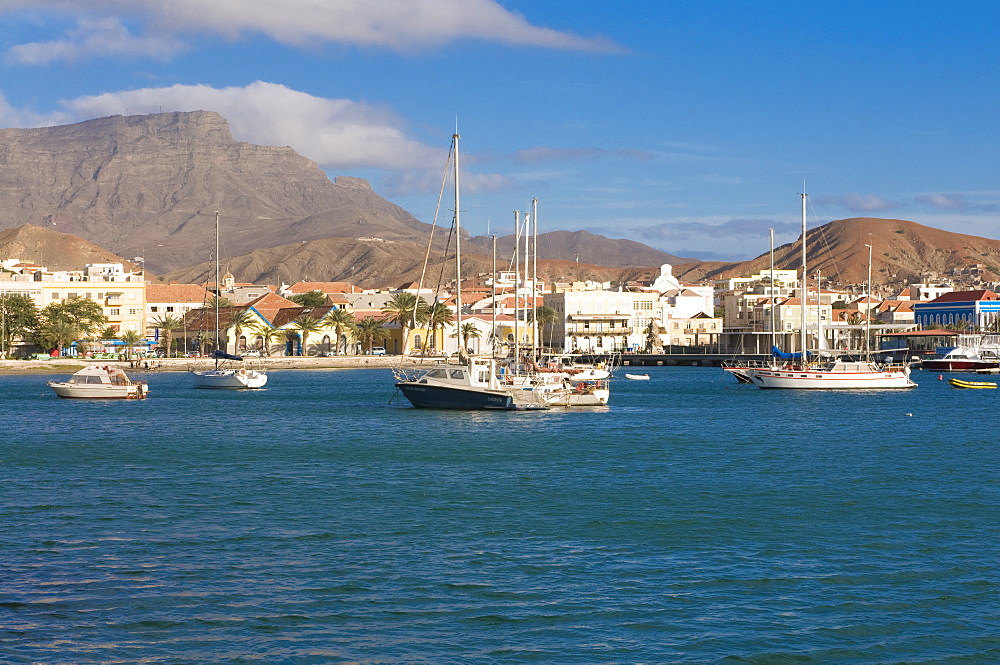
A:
(399, 25)
(336, 133)
(106, 36)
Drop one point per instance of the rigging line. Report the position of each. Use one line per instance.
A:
(430, 239)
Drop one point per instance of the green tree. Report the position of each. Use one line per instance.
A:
(269, 333)
(468, 331)
(341, 320)
(57, 334)
(20, 319)
(167, 325)
(404, 309)
(223, 303)
(546, 316)
(240, 320)
(131, 338)
(310, 299)
(83, 313)
(307, 324)
(205, 338)
(370, 330)
(438, 316)
(109, 333)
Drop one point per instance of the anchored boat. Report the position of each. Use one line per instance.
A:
(100, 382)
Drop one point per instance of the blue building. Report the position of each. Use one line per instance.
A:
(976, 309)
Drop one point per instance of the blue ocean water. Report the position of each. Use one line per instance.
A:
(692, 521)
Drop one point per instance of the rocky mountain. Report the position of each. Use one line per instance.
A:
(902, 251)
(54, 250)
(149, 185)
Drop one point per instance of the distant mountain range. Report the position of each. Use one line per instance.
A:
(148, 186)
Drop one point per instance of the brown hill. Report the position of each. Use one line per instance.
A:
(54, 250)
(902, 251)
(378, 263)
(587, 248)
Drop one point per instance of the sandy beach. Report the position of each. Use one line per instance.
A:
(70, 365)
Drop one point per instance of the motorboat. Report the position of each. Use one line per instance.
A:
(475, 384)
(974, 353)
(564, 380)
(100, 382)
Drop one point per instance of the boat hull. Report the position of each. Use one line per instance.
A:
(429, 396)
(958, 383)
(230, 379)
(957, 365)
(805, 379)
(71, 391)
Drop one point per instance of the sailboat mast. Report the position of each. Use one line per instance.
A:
(773, 303)
(458, 249)
(218, 288)
(868, 313)
(804, 289)
(534, 279)
(493, 297)
(819, 312)
(517, 279)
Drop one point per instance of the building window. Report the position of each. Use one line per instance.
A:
(55, 295)
(154, 309)
(116, 312)
(133, 312)
(170, 308)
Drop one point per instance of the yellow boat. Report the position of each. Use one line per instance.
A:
(959, 383)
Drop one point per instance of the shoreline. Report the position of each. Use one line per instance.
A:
(71, 365)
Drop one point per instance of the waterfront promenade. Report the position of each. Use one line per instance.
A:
(69, 365)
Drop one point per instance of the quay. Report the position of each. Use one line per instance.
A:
(677, 359)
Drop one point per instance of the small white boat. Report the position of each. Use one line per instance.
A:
(231, 378)
(637, 377)
(100, 382)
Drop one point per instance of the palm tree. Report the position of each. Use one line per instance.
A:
(240, 320)
(307, 323)
(438, 316)
(468, 331)
(370, 330)
(268, 332)
(57, 333)
(167, 325)
(223, 302)
(546, 316)
(205, 337)
(340, 319)
(130, 338)
(404, 309)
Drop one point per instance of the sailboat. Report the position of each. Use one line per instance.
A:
(796, 370)
(227, 377)
(471, 383)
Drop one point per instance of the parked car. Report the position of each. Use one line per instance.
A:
(251, 353)
(378, 350)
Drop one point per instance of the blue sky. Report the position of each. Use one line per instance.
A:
(688, 126)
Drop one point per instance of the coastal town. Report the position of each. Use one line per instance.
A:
(130, 316)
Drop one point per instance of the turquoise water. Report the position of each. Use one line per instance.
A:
(314, 522)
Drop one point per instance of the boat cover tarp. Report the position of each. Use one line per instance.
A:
(221, 355)
(778, 353)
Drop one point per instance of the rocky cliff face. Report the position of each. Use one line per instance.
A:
(149, 185)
